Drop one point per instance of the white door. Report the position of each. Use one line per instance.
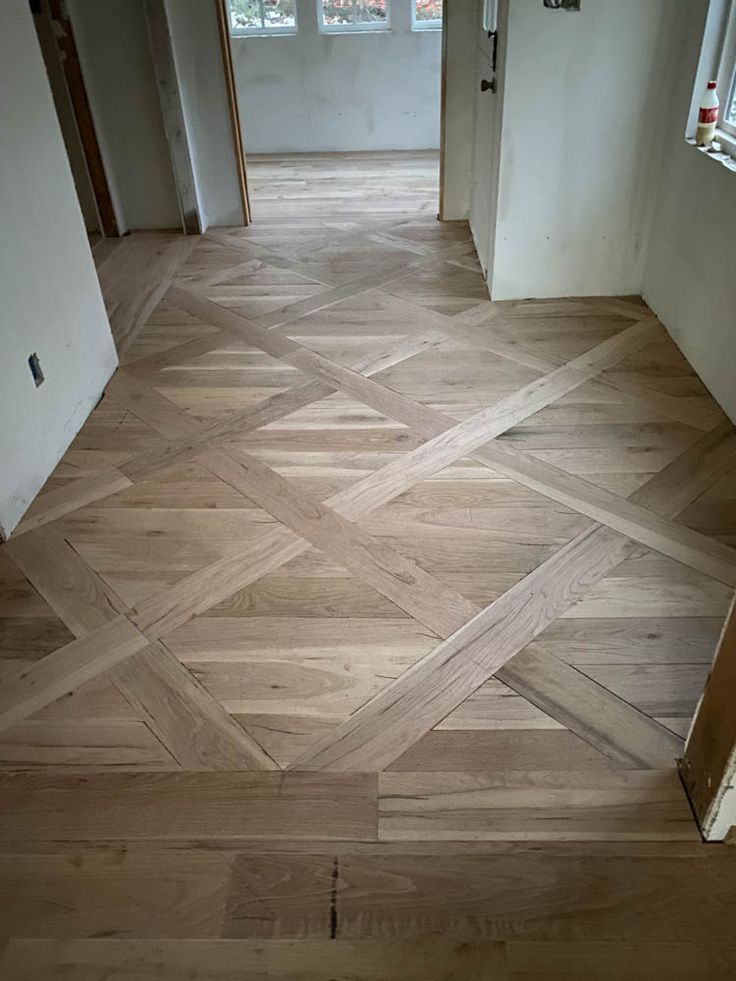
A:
(484, 174)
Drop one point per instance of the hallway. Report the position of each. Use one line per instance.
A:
(364, 607)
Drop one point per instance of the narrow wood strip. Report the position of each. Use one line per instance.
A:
(699, 416)
(689, 547)
(63, 500)
(135, 279)
(460, 440)
(474, 327)
(396, 577)
(59, 673)
(158, 412)
(613, 726)
(463, 328)
(295, 311)
(188, 721)
(151, 364)
(270, 410)
(385, 400)
(73, 591)
(194, 594)
(235, 424)
(690, 474)
(380, 731)
(194, 728)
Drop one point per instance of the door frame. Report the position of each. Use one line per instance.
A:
(223, 23)
(708, 767)
(72, 68)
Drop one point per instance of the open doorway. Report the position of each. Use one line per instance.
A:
(340, 105)
(58, 48)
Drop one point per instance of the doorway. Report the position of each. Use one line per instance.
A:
(340, 105)
(58, 48)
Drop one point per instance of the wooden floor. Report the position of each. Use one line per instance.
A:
(365, 184)
(357, 633)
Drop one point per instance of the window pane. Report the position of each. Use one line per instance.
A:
(344, 13)
(370, 11)
(428, 10)
(262, 14)
(336, 12)
(245, 13)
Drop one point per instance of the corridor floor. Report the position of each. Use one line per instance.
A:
(359, 630)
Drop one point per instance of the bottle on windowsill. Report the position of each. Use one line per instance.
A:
(707, 116)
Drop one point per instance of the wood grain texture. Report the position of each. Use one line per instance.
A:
(570, 805)
(157, 805)
(375, 735)
(30, 689)
(423, 959)
(352, 514)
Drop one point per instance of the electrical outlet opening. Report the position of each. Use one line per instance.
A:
(36, 371)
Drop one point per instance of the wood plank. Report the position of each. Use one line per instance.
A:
(396, 577)
(215, 582)
(75, 494)
(191, 806)
(57, 674)
(420, 959)
(184, 716)
(612, 725)
(462, 439)
(575, 893)
(690, 474)
(79, 597)
(180, 894)
(566, 805)
(377, 734)
(135, 278)
(172, 111)
(100, 743)
(154, 409)
(192, 725)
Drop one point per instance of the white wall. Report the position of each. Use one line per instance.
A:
(363, 91)
(115, 55)
(195, 38)
(581, 126)
(690, 275)
(51, 302)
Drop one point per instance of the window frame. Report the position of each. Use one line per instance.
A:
(262, 31)
(727, 70)
(423, 25)
(356, 27)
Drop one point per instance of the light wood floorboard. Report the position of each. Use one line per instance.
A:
(357, 632)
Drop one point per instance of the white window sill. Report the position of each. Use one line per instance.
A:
(241, 34)
(727, 155)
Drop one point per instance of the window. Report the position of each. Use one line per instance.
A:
(426, 15)
(341, 16)
(262, 16)
(727, 77)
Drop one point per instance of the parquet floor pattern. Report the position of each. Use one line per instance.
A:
(364, 609)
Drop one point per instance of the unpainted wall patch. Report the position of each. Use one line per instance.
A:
(36, 371)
